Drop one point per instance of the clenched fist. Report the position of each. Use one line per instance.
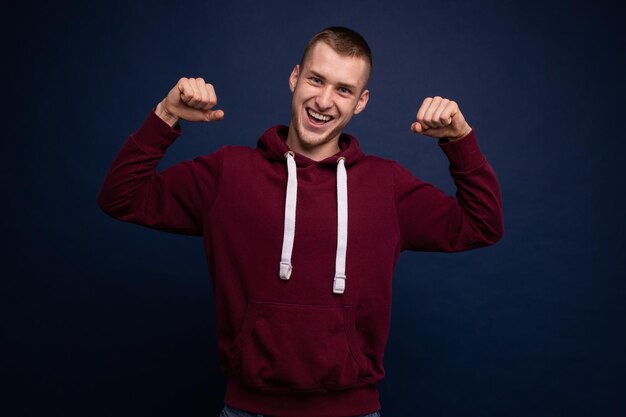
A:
(191, 99)
(440, 118)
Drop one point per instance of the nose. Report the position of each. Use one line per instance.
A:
(324, 99)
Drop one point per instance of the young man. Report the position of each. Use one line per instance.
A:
(302, 233)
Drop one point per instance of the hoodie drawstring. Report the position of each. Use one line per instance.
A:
(290, 217)
(339, 282)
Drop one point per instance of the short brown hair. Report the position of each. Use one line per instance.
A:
(344, 41)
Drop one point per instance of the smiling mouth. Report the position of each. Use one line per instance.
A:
(318, 118)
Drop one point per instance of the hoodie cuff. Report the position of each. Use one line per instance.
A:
(464, 154)
(155, 134)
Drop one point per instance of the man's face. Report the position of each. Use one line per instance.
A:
(327, 91)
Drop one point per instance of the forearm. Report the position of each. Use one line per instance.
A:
(478, 191)
(133, 167)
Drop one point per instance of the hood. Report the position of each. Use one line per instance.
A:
(273, 146)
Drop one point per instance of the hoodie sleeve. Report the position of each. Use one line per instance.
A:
(175, 200)
(429, 220)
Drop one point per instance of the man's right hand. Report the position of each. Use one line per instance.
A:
(191, 99)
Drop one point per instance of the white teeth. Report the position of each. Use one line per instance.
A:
(318, 116)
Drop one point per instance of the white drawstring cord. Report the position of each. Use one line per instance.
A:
(290, 217)
(339, 283)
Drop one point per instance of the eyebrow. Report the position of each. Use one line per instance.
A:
(344, 85)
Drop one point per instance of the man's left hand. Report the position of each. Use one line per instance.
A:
(439, 118)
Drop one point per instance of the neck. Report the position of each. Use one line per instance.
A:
(316, 152)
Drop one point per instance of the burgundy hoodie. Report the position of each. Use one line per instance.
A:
(302, 294)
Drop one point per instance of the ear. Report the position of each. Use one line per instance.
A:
(360, 105)
(293, 78)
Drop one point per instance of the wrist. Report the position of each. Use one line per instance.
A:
(165, 115)
(466, 132)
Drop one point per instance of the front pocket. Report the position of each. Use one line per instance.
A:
(297, 347)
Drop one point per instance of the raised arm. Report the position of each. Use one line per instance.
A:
(177, 199)
(432, 221)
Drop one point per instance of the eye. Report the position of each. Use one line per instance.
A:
(315, 80)
(345, 91)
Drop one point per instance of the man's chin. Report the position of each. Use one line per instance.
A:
(310, 139)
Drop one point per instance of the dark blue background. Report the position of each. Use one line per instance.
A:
(102, 318)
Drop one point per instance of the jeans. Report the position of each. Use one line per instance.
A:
(229, 411)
